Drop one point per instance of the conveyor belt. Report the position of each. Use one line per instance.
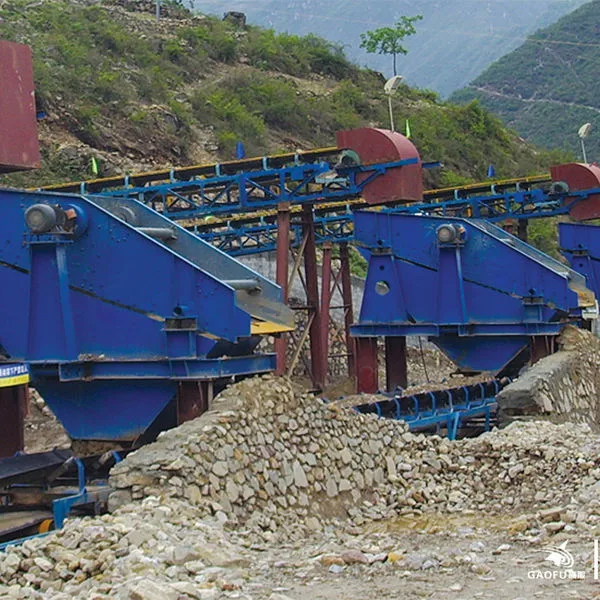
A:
(187, 173)
(22, 523)
(30, 466)
(352, 204)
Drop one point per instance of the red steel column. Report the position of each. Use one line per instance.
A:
(540, 347)
(347, 302)
(367, 376)
(317, 356)
(12, 412)
(193, 399)
(281, 276)
(396, 373)
(326, 300)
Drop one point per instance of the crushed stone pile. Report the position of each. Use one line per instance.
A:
(265, 453)
(273, 491)
(151, 550)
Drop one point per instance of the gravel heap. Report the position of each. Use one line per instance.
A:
(273, 490)
(269, 456)
(150, 550)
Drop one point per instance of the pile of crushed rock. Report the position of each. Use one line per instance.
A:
(208, 509)
(264, 453)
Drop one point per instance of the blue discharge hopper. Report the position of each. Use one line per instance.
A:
(477, 292)
(124, 318)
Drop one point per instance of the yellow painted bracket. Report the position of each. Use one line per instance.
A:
(268, 328)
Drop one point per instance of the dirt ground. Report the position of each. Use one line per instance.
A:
(464, 557)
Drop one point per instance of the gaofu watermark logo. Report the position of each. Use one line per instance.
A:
(562, 560)
(559, 556)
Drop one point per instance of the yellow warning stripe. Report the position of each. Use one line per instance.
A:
(11, 381)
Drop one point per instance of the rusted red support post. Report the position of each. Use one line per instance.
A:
(347, 303)
(318, 358)
(367, 376)
(522, 229)
(281, 276)
(396, 373)
(12, 411)
(540, 347)
(326, 300)
(193, 399)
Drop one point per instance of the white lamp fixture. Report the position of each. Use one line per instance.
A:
(583, 132)
(390, 88)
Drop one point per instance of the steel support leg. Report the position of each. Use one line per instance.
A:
(347, 302)
(12, 413)
(193, 399)
(396, 374)
(326, 300)
(541, 346)
(282, 268)
(367, 377)
(317, 356)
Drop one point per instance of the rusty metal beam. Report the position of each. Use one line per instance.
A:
(541, 346)
(12, 413)
(522, 232)
(282, 273)
(367, 376)
(396, 373)
(193, 399)
(317, 356)
(326, 292)
(347, 303)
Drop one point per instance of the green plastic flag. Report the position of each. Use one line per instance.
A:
(407, 129)
(94, 166)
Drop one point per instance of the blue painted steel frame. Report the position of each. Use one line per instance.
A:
(452, 415)
(480, 297)
(110, 319)
(580, 244)
(256, 190)
(61, 507)
(254, 238)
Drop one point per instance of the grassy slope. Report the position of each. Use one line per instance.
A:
(456, 40)
(134, 95)
(547, 88)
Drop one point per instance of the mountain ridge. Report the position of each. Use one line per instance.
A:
(546, 89)
(455, 42)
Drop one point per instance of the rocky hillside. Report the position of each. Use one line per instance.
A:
(114, 84)
(546, 89)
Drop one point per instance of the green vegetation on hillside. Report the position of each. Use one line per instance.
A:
(547, 88)
(456, 40)
(121, 84)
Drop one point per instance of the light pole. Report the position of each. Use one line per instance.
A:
(583, 132)
(390, 87)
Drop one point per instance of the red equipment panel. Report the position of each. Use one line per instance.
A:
(579, 176)
(19, 147)
(380, 146)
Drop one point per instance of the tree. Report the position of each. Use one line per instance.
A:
(388, 40)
